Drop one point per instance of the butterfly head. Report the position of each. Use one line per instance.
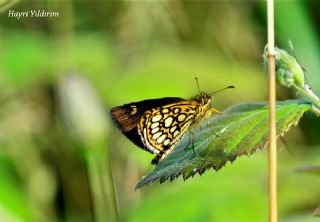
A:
(203, 98)
(206, 98)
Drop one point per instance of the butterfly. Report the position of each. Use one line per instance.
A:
(157, 125)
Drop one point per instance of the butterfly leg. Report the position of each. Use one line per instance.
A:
(191, 141)
(211, 111)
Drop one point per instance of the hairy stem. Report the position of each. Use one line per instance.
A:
(272, 116)
(306, 91)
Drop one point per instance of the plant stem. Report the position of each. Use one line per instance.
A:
(306, 91)
(96, 190)
(272, 116)
(101, 183)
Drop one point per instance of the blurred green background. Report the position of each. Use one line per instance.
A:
(61, 159)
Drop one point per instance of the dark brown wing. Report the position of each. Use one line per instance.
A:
(126, 117)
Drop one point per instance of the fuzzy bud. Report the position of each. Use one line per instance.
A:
(288, 70)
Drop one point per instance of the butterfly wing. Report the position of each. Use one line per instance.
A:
(127, 116)
(161, 129)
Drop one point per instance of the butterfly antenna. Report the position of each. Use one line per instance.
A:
(197, 84)
(228, 87)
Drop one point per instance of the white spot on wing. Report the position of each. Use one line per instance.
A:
(168, 121)
(172, 129)
(156, 136)
(154, 125)
(166, 142)
(161, 138)
(165, 111)
(156, 118)
(155, 130)
(176, 133)
(181, 117)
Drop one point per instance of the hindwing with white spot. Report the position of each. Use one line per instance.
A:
(162, 128)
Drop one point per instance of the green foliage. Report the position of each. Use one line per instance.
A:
(315, 170)
(241, 129)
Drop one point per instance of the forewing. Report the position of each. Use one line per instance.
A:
(163, 128)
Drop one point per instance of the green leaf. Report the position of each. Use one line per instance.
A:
(241, 129)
